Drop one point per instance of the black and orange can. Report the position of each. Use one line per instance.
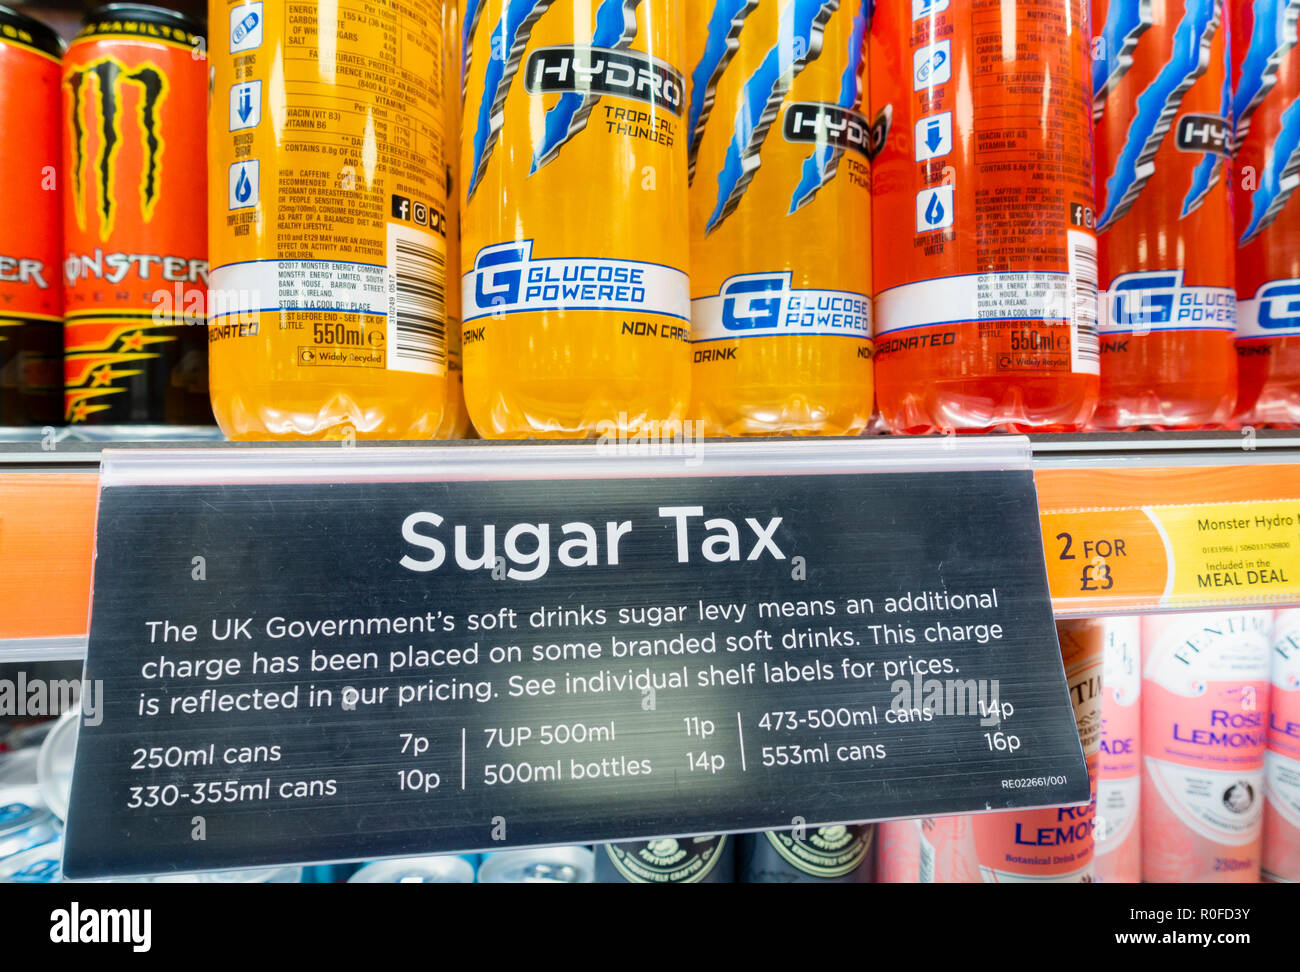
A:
(31, 223)
(135, 273)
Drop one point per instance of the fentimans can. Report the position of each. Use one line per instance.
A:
(669, 860)
(839, 854)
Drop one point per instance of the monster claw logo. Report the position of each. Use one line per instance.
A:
(720, 46)
(615, 29)
(507, 47)
(104, 81)
(472, 13)
(1214, 137)
(1273, 37)
(1281, 176)
(1271, 40)
(821, 165)
(802, 22)
(1158, 105)
(1126, 22)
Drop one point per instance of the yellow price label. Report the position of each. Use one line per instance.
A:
(1231, 551)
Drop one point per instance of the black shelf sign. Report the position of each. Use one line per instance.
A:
(472, 649)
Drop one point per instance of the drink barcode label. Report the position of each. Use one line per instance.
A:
(1083, 286)
(417, 313)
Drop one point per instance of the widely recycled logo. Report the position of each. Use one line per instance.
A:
(97, 91)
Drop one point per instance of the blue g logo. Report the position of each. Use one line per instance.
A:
(752, 302)
(493, 287)
(1279, 306)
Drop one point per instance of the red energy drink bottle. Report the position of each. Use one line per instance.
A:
(1266, 114)
(984, 251)
(135, 88)
(1163, 106)
(31, 230)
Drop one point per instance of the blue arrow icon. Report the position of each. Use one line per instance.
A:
(245, 103)
(934, 135)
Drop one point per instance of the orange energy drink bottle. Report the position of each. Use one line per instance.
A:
(1163, 107)
(576, 300)
(779, 152)
(329, 234)
(31, 224)
(984, 252)
(134, 96)
(455, 417)
(1266, 113)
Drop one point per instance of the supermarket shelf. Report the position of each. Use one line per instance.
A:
(1086, 483)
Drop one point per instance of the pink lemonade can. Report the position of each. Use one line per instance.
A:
(1055, 845)
(1205, 699)
(898, 852)
(1119, 777)
(1282, 762)
(948, 851)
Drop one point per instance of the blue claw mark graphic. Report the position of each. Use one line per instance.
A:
(469, 26)
(1157, 106)
(515, 26)
(822, 164)
(799, 41)
(1210, 167)
(1126, 22)
(1271, 40)
(615, 29)
(1281, 176)
(720, 46)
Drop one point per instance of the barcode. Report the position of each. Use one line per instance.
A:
(1083, 277)
(417, 315)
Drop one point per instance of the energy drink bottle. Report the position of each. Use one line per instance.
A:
(824, 855)
(574, 235)
(327, 203)
(1055, 845)
(681, 860)
(1266, 87)
(1119, 772)
(779, 153)
(455, 417)
(1205, 698)
(1163, 108)
(31, 289)
(134, 95)
(1282, 761)
(984, 251)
